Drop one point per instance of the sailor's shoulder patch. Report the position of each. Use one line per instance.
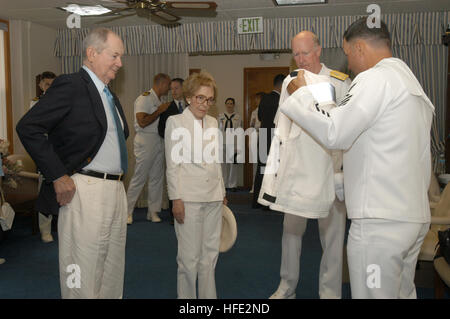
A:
(35, 99)
(338, 75)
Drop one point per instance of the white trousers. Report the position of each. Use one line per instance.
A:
(332, 233)
(382, 257)
(45, 224)
(149, 152)
(92, 231)
(198, 249)
(229, 173)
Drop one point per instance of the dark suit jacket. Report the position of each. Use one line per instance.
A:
(268, 108)
(71, 113)
(171, 110)
(266, 113)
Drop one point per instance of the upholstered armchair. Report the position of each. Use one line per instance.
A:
(23, 197)
(440, 220)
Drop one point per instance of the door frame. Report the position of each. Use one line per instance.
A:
(248, 172)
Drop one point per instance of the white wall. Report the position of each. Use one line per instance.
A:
(31, 53)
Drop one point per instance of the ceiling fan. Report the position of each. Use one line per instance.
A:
(167, 11)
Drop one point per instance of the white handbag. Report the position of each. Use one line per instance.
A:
(6, 214)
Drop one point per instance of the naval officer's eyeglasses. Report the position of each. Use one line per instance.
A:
(201, 99)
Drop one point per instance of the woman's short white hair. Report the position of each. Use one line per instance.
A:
(97, 39)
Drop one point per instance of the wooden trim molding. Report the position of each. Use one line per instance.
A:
(9, 121)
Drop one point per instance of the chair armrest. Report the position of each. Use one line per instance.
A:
(440, 220)
(28, 175)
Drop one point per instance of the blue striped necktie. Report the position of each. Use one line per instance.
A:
(180, 107)
(121, 135)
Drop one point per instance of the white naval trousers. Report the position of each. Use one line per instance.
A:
(332, 233)
(229, 173)
(382, 257)
(198, 249)
(149, 152)
(45, 224)
(92, 231)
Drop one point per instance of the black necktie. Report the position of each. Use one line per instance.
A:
(229, 121)
(180, 107)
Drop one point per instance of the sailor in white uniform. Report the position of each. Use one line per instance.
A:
(314, 168)
(230, 119)
(149, 149)
(384, 125)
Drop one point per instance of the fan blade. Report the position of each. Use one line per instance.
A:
(191, 5)
(116, 18)
(166, 16)
(115, 11)
(116, 1)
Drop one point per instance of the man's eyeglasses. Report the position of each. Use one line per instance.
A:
(201, 99)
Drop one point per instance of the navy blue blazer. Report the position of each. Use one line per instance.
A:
(171, 110)
(64, 131)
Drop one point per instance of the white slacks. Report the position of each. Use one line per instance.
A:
(229, 173)
(382, 257)
(149, 152)
(92, 231)
(332, 233)
(198, 249)
(45, 224)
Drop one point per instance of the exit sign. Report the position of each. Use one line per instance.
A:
(250, 25)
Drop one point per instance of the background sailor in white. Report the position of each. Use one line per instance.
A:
(230, 119)
(384, 123)
(306, 50)
(149, 149)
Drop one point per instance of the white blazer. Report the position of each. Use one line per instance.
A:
(300, 180)
(194, 172)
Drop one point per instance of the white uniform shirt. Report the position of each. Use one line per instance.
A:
(254, 121)
(147, 102)
(384, 123)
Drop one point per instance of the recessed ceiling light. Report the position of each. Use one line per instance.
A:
(86, 10)
(296, 2)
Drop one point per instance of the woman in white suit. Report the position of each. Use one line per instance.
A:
(195, 185)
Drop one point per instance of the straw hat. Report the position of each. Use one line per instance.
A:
(229, 230)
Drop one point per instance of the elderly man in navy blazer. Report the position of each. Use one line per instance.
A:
(83, 161)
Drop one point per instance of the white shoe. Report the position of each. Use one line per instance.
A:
(153, 217)
(282, 295)
(2, 261)
(47, 238)
(130, 220)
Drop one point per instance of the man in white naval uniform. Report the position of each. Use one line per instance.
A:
(230, 119)
(149, 149)
(306, 50)
(384, 123)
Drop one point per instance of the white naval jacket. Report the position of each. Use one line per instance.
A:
(196, 178)
(303, 183)
(384, 121)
